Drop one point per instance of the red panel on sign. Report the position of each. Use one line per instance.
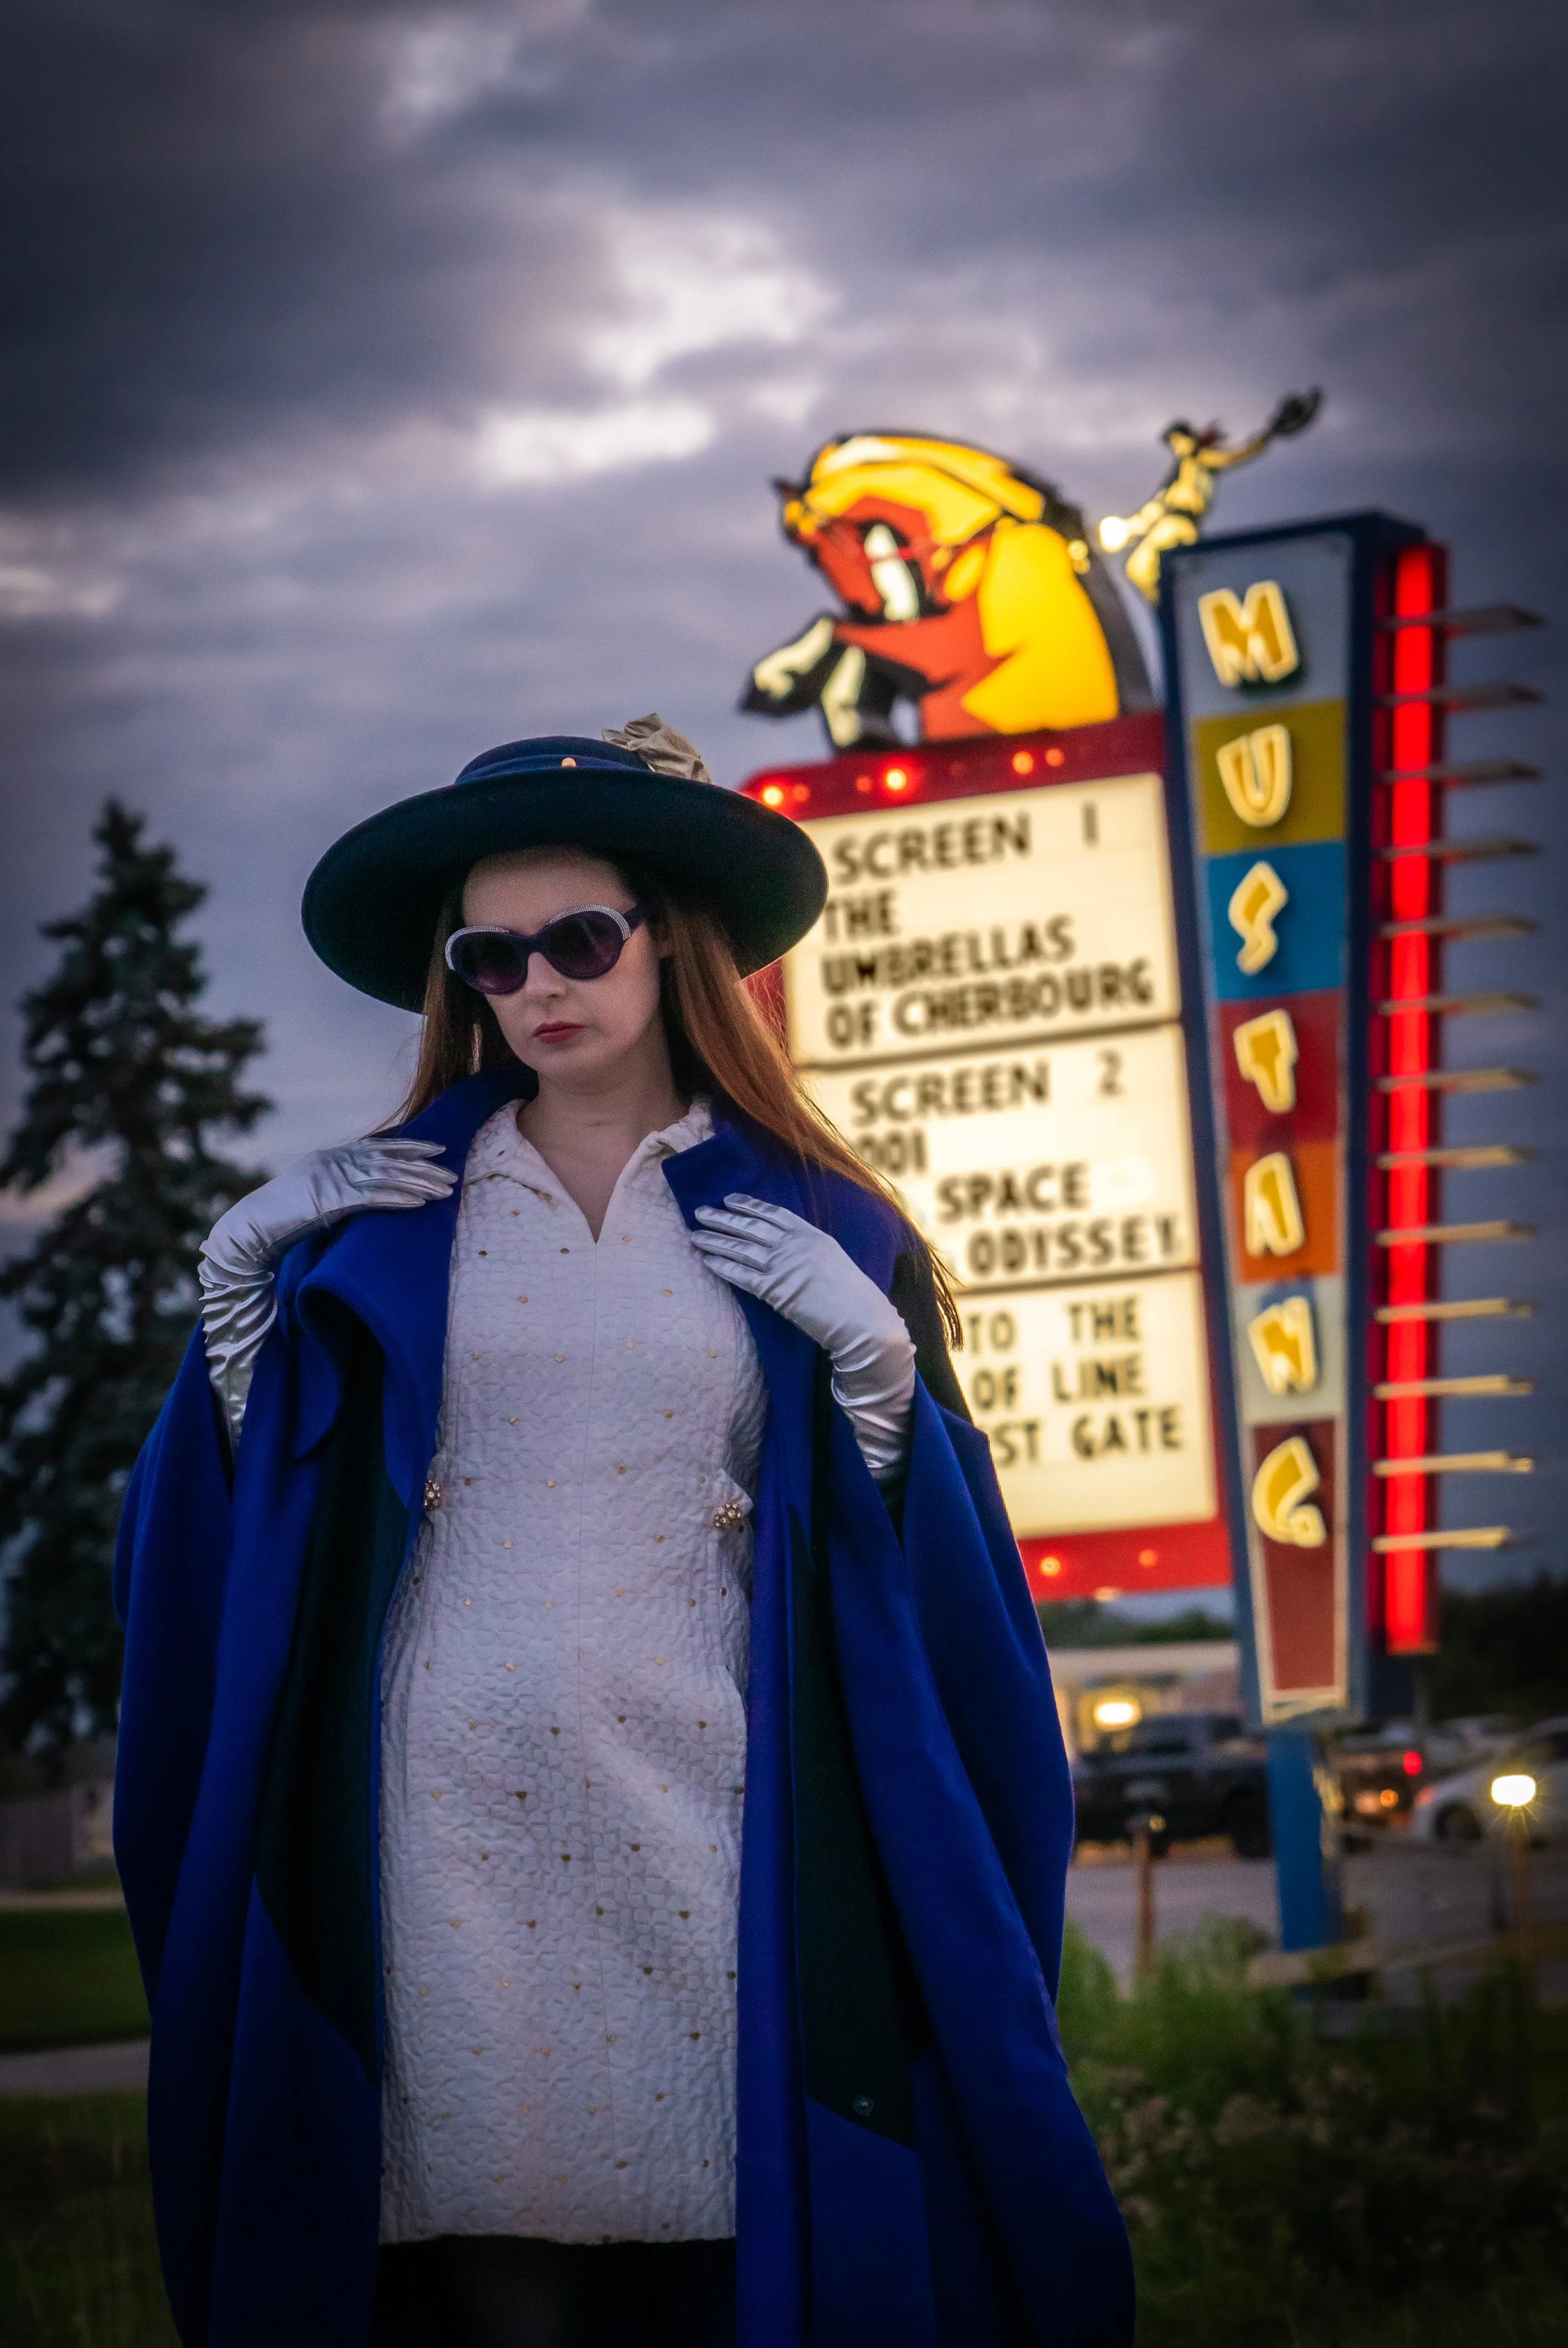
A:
(1118, 1564)
(1298, 1585)
(1315, 1019)
(942, 770)
(1301, 1596)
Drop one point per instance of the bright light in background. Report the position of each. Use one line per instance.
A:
(1117, 1712)
(1513, 1791)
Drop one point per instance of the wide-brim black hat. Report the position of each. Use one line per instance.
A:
(372, 905)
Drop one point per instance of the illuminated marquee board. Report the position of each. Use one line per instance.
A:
(1308, 704)
(990, 1010)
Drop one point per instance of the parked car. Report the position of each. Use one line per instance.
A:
(1381, 1769)
(1458, 1808)
(1483, 1733)
(1189, 1772)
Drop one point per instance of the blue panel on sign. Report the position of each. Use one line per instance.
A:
(1309, 926)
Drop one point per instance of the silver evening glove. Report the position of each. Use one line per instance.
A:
(244, 1247)
(805, 1274)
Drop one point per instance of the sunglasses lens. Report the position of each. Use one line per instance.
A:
(488, 961)
(582, 945)
(496, 962)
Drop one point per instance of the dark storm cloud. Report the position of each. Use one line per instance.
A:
(230, 218)
(381, 381)
(220, 228)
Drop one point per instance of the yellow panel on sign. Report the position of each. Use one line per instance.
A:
(1300, 789)
(974, 922)
(1095, 1401)
(1040, 1165)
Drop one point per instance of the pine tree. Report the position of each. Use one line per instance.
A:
(122, 1065)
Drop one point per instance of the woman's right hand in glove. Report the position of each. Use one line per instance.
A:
(244, 1247)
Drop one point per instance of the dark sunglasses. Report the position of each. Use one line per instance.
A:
(584, 945)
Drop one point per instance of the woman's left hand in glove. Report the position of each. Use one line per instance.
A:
(803, 1274)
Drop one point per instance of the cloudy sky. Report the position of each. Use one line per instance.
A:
(382, 382)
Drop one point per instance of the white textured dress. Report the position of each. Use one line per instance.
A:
(563, 1742)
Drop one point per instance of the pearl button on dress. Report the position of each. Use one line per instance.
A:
(563, 1741)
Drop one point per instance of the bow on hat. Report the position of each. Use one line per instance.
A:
(660, 747)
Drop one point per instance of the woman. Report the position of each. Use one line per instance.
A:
(591, 1803)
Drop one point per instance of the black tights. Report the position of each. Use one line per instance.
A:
(499, 2291)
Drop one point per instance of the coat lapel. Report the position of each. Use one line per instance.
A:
(392, 1270)
(772, 2188)
(736, 1158)
(730, 1160)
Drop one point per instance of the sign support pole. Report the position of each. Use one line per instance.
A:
(1305, 1839)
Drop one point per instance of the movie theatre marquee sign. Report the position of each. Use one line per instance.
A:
(1029, 914)
(988, 1010)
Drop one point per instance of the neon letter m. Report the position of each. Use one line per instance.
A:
(1249, 642)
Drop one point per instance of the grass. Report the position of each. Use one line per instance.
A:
(1396, 2189)
(67, 1977)
(78, 2263)
(1282, 2191)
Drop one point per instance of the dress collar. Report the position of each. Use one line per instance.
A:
(501, 1150)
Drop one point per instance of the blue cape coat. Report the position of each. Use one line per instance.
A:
(912, 2167)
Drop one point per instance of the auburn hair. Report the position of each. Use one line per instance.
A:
(724, 1034)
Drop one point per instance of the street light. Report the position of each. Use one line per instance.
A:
(1118, 1712)
(1513, 1790)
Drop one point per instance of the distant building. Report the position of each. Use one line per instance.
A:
(48, 1832)
(1101, 1689)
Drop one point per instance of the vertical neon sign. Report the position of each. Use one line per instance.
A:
(1413, 774)
(1306, 669)
(1406, 976)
